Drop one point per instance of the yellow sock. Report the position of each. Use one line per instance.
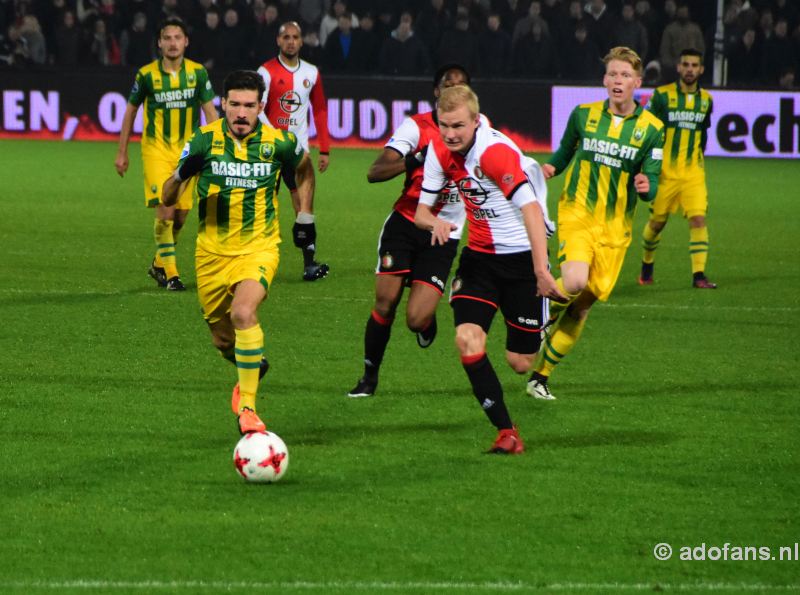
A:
(557, 308)
(698, 248)
(165, 247)
(249, 350)
(650, 240)
(559, 343)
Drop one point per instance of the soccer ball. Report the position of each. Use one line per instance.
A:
(261, 457)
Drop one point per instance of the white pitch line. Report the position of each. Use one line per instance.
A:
(386, 586)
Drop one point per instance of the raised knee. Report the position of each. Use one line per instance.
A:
(520, 363)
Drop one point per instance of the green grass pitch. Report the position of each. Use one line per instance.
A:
(677, 418)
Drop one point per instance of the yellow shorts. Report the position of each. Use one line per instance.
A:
(582, 242)
(158, 166)
(218, 275)
(689, 194)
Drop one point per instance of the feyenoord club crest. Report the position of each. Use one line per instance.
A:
(456, 285)
(478, 172)
(266, 151)
(387, 261)
(306, 83)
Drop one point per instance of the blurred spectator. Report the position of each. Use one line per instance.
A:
(128, 8)
(581, 60)
(234, 41)
(777, 54)
(535, 54)
(311, 12)
(651, 22)
(331, 20)
(494, 49)
(765, 25)
(524, 25)
(312, 50)
(510, 11)
(344, 50)
(474, 11)
(575, 16)
(788, 11)
(744, 60)
(403, 53)
(459, 45)
(68, 38)
(30, 32)
(787, 80)
(601, 24)
(432, 22)
(372, 43)
(287, 9)
(103, 46)
(680, 34)
(206, 44)
(263, 44)
(136, 44)
(631, 33)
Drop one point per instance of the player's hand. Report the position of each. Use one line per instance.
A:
(548, 170)
(121, 164)
(546, 286)
(440, 233)
(322, 164)
(642, 183)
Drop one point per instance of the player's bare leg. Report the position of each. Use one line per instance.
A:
(388, 291)
(421, 312)
(651, 236)
(698, 250)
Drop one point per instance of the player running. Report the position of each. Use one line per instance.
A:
(172, 89)
(504, 265)
(292, 85)
(617, 148)
(405, 254)
(236, 162)
(685, 109)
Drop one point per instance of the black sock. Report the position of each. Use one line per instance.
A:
(538, 377)
(308, 255)
(699, 275)
(376, 337)
(647, 270)
(487, 389)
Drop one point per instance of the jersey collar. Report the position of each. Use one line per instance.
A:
(637, 111)
(287, 67)
(227, 131)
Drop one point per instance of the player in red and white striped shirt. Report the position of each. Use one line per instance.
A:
(504, 265)
(292, 86)
(405, 253)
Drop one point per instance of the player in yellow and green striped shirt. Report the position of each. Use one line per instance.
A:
(685, 109)
(237, 162)
(173, 91)
(613, 149)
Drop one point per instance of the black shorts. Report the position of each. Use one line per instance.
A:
(485, 282)
(405, 249)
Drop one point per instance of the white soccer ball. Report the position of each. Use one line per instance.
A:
(261, 457)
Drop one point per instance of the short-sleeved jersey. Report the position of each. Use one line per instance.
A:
(488, 178)
(686, 118)
(289, 93)
(413, 135)
(237, 187)
(171, 102)
(608, 152)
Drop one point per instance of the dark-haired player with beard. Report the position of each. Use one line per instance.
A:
(292, 86)
(685, 109)
(237, 162)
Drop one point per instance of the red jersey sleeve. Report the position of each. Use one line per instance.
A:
(319, 104)
(501, 164)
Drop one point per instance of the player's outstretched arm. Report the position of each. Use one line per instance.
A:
(121, 162)
(389, 164)
(533, 218)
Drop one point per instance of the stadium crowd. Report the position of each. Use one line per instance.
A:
(531, 39)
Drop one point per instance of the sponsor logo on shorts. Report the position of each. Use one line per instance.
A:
(387, 261)
(437, 282)
(455, 286)
(528, 321)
